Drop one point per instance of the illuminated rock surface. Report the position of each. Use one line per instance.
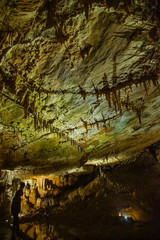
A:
(77, 84)
(79, 117)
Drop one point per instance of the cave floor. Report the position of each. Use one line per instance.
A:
(62, 229)
(85, 220)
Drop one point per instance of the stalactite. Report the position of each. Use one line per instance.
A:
(72, 131)
(78, 148)
(133, 107)
(105, 81)
(109, 123)
(57, 133)
(85, 124)
(1, 87)
(119, 101)
(35, 122)
(44, 124)
(47, 124)
(82, 92)
(145, 87)
(51, 129)
(40, 123)
(108, 99)
(127, 105)
(74, 143)
(50, 126)
(96, 91)
(26, 105)
(86, 7)
(139, 115)
(68, 138)
(85, 51)
(154, 81)
(60, 134)
(82, 53)
(136, 82)
(106, 96)
(105, 85)
(149, 82)
(25, 112)
(114, 100)
(61, 37)
(114, 76)
(71, 141)
(32, 107)
(158, 86)
(104, 122)
(81, 149)
(91, 124)
(97, 124)
(14, 153)
(130, 86)
(39, 93)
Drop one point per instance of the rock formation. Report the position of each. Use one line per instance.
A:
(78, 80)
(79, 116)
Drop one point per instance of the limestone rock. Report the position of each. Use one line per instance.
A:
(77, 82)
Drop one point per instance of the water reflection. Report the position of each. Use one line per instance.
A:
(40, 231)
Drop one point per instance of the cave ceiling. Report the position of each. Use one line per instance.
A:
(79, 80)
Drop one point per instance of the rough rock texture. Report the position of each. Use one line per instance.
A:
(78, 80)
(40, 191)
